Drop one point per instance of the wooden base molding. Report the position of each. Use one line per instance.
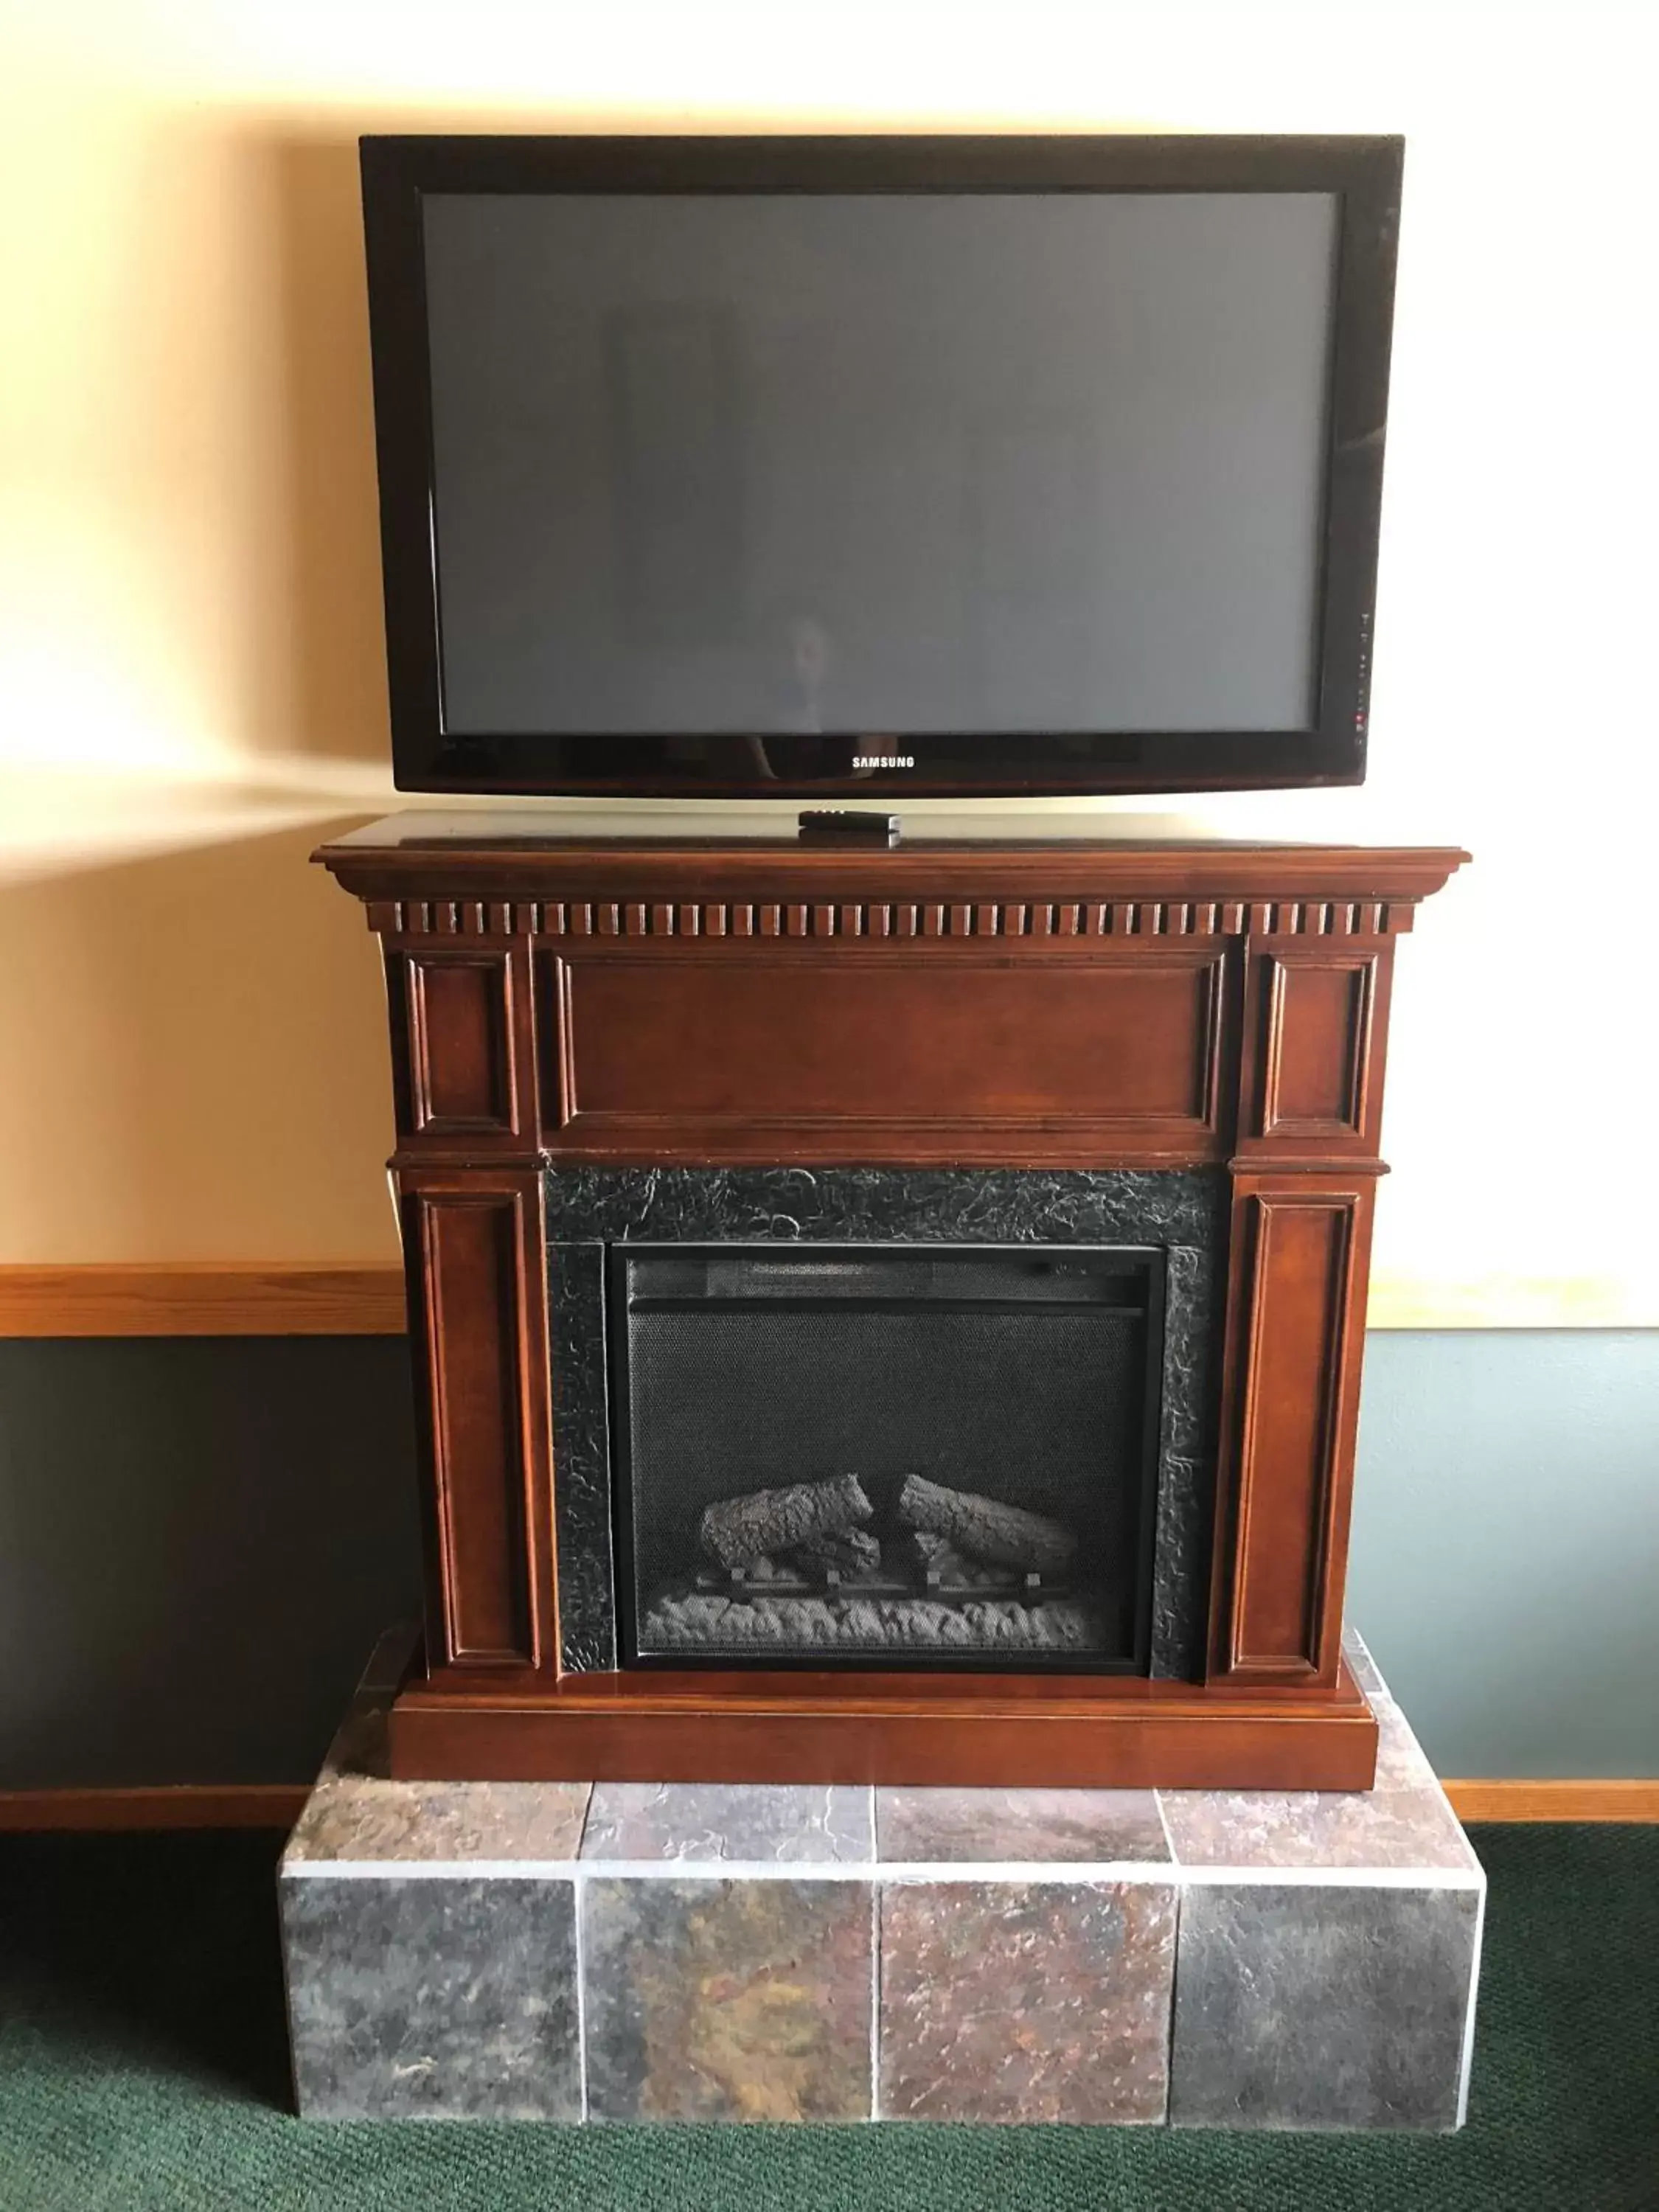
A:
(992, 1731)
(171, 1805)
(1633, 1800)
(211, 1298)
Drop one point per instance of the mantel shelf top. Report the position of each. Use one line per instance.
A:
(482, 849)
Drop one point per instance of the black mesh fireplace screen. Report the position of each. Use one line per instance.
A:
(892, 1455)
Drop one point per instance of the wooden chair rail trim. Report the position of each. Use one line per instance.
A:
(234, 1297)
(215, 1298)
(166, 1805)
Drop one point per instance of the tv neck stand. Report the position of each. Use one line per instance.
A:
(849, 825)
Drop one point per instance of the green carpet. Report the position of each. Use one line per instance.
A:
(142, 2065)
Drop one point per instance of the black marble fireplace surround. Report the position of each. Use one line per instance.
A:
(1178, 1216)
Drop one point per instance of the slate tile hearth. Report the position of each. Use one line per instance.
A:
(923, 1825)
(723, 1999)
(700, 1952)
(1321, 2006)
(780, 1823)
(1026, 2001)
(1334, 1829)
(449, 1999)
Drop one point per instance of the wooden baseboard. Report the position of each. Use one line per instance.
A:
(181, 1805)
(1554, 1801)
(228, 1298)
(278, 1804)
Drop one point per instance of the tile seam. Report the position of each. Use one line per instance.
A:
(915, 1872)
(587, 1818)
(1465, 2056)
(1175, 1993)
(1168, 1832)
(579, 1909)
(875, 1991)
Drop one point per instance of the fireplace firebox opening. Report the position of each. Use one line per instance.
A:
(897, 1455)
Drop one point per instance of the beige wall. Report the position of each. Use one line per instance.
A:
(190, 673)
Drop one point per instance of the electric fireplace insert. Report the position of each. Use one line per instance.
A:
(919, 1456)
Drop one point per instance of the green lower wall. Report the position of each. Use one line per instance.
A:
(200, 1539)
(1505, 1561)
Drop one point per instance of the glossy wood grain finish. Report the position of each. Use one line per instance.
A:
(1541, 1800)
(463, 1043)
(445, 862)
(289, 1297)
(478, 1308)
(766, 1052)
(205, 1299)
(999, 1732)
(1300, 1250)
(1069, 1003)
(158, 1805)
(1316, 1025)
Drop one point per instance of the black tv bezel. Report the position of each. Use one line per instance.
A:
(1363, 173)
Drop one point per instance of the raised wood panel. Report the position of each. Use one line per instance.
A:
(738, 1054)
(461, 1044)
(1300, 1251)
(482, 1356)
(1316, 1032)
(1318, 1046)
(464, 1046)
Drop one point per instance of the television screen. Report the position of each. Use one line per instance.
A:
(772, 466)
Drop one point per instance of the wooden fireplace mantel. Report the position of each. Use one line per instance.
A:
(1061, 1003)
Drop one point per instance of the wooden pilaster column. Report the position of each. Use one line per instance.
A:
(1305, 1176)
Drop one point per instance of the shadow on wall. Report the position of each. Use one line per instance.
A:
(334, 635)
(202, 1042)
(206, 444)
(201, 1031)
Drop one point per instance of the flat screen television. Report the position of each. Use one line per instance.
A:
(847, 467)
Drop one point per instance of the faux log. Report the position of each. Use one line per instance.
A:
(939, 1562)
(1006, 1535)
(853, 1551)
(734, 1530)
